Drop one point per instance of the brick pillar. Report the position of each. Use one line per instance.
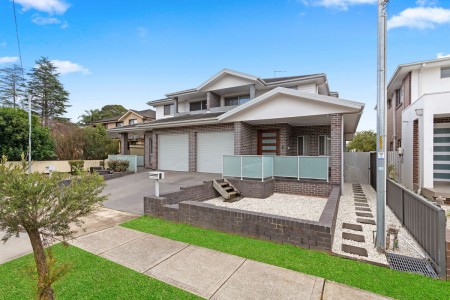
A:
(175, 106)
(154, 157)
(243, 137)
(208, 101)
(124, 143)
(192, 151)
(336, 149)
(147, 149)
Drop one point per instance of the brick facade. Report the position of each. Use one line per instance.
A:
(147, 152)
(336, 149)
(447, 248)
(186, 206)
(243, 142)
(212, 100)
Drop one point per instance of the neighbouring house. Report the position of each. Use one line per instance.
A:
(233, 120)
(418, 125)
(132, 117)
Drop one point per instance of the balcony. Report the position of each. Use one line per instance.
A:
(264, 167)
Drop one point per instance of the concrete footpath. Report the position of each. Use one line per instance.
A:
(207, 273)
(100, 220)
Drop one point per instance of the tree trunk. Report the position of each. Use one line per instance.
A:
(44, 285)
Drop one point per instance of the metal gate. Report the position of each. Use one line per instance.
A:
(357, 167)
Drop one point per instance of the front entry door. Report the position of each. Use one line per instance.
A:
(268, 142)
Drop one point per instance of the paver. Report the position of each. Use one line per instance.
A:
(350, 226)
(363, 209)
(353, 237)
(354, 250)
(366, 221)
(255, 280)
(361, 204)
(364, 214)
(197, 270)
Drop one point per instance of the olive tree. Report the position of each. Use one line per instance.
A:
(45, 207)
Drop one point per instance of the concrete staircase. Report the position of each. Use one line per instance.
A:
(225, 188)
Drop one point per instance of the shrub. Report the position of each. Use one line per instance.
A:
(118, 165)
(76, 166)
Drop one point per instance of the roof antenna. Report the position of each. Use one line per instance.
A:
(275, 73)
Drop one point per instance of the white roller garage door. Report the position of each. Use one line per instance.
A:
(211, 146)
(173, 152)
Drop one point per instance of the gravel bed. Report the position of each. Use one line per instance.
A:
(346, 213)
(293, 206)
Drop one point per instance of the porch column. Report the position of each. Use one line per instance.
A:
(243, 137)
(426, 156)
(154, 156)
(208, 101)
(124, 143)
(147, 149)
(336, 149)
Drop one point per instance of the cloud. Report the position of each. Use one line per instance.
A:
(337, 4)
(8, 59)
(49, 6)
(442, 55)
(420, 17)
(40, 20)
(66, 67)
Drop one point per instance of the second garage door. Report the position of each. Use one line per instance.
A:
(173, 152)
(211, 146)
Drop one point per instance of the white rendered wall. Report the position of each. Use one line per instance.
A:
(427, 81)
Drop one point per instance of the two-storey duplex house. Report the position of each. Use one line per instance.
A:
(419, 124)
(234, 114)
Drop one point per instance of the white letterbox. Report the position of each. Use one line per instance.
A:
(156, 175)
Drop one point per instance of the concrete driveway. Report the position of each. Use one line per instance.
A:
(127, 193)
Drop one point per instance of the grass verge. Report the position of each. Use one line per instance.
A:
(365, 276)
(89, 277)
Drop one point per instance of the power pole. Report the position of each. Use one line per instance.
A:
(380, 241)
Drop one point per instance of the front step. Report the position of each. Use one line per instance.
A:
(226, 189)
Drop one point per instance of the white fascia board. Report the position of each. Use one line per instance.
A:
(281, 90)
(230, 72)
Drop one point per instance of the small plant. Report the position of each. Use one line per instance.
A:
(118, 165)
(76, 166)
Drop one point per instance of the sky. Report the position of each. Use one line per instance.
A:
(131, 52)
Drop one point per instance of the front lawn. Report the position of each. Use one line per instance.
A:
(361, 275)
(89, 277)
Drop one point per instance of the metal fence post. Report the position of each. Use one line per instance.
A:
(298, 167)
(241, 168)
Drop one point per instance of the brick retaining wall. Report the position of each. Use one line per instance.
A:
(186, 206)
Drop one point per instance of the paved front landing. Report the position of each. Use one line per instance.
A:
(208, 273)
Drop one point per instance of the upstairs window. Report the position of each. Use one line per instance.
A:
(445, 72)
(399, 96)
(198, 105)
(167, 109)
(236, 100)
(119, 124)
(132, 122)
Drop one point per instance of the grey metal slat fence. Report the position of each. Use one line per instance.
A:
(424, 220)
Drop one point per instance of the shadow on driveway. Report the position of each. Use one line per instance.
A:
(127, 193)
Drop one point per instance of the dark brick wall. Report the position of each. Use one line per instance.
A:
(313, 132)
(184, 206)
(254, 188)
(243, 139)
(448, 253)
(302, 187)
(147, 152)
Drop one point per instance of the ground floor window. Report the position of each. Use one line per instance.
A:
(324, 145)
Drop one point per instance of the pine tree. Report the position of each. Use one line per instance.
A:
(48, 97)
(12, 86)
